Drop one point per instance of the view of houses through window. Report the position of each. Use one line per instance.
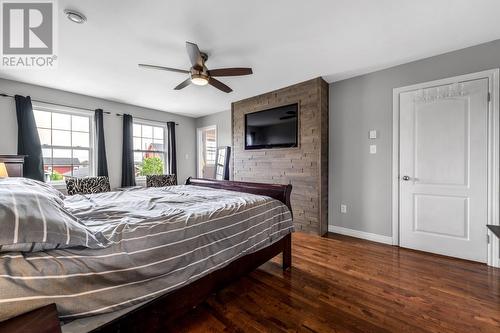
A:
(149, 149)
(66, 143)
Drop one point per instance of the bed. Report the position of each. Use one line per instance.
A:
(146, 256)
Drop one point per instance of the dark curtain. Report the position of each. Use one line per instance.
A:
(28, 142)
(128, 172)
(102, 162)
(171, 151)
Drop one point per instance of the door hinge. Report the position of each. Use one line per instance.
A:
(487, 238)
(489, 97)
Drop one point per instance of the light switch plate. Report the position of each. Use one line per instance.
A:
(373, 149)
(343, 208)
(372, 134)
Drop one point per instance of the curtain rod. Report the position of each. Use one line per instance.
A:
(81, 108)
(153, 120)
(57, 104)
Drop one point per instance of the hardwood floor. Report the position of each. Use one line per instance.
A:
(343, 284)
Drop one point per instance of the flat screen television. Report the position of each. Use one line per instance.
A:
(272, 128)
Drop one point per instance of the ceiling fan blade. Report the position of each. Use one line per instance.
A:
(219, 85)
(236, 71)
(194, 55)
(164, 68)
(184, 84)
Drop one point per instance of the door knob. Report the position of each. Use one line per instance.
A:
(406, 178)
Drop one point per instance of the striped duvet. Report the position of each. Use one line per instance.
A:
(159, 239)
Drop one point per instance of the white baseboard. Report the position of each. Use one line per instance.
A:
(360, 234)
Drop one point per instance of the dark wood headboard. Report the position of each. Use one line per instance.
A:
(275, 191)
(14, 164)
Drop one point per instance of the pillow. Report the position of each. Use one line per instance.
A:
(87, 185)
(33, 218)
(34, 185)
(160, 180)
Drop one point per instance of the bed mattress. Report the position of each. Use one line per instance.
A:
(159, 240)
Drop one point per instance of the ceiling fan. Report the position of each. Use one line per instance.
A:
(199, 74)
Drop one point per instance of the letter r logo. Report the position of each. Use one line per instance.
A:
(27, 28)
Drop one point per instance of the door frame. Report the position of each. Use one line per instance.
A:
(199, 143)
(493, 152)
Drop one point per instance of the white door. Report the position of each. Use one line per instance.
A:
(444, 169)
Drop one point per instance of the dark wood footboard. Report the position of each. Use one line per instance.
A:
(41, 320)
(275, 191)
(157, 315)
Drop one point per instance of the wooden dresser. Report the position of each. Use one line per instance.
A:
(14, 164)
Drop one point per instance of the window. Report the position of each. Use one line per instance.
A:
(66, 139)
(149, 149)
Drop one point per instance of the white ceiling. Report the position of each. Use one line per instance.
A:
(284, 41)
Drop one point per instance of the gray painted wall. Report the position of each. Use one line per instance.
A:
(363, 181)
(185, 132)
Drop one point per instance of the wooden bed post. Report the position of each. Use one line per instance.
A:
(287, 252)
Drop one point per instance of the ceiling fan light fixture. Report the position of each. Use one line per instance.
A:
(199, 79)
(199, 73)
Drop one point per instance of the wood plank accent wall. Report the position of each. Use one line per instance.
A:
(305, 167)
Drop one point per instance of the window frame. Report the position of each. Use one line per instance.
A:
(39, 106)
(136, 121)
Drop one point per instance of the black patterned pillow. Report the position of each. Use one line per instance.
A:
(87, 185)
(160, 180)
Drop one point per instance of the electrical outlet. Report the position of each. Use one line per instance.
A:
(343, 208)
(373, 149)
